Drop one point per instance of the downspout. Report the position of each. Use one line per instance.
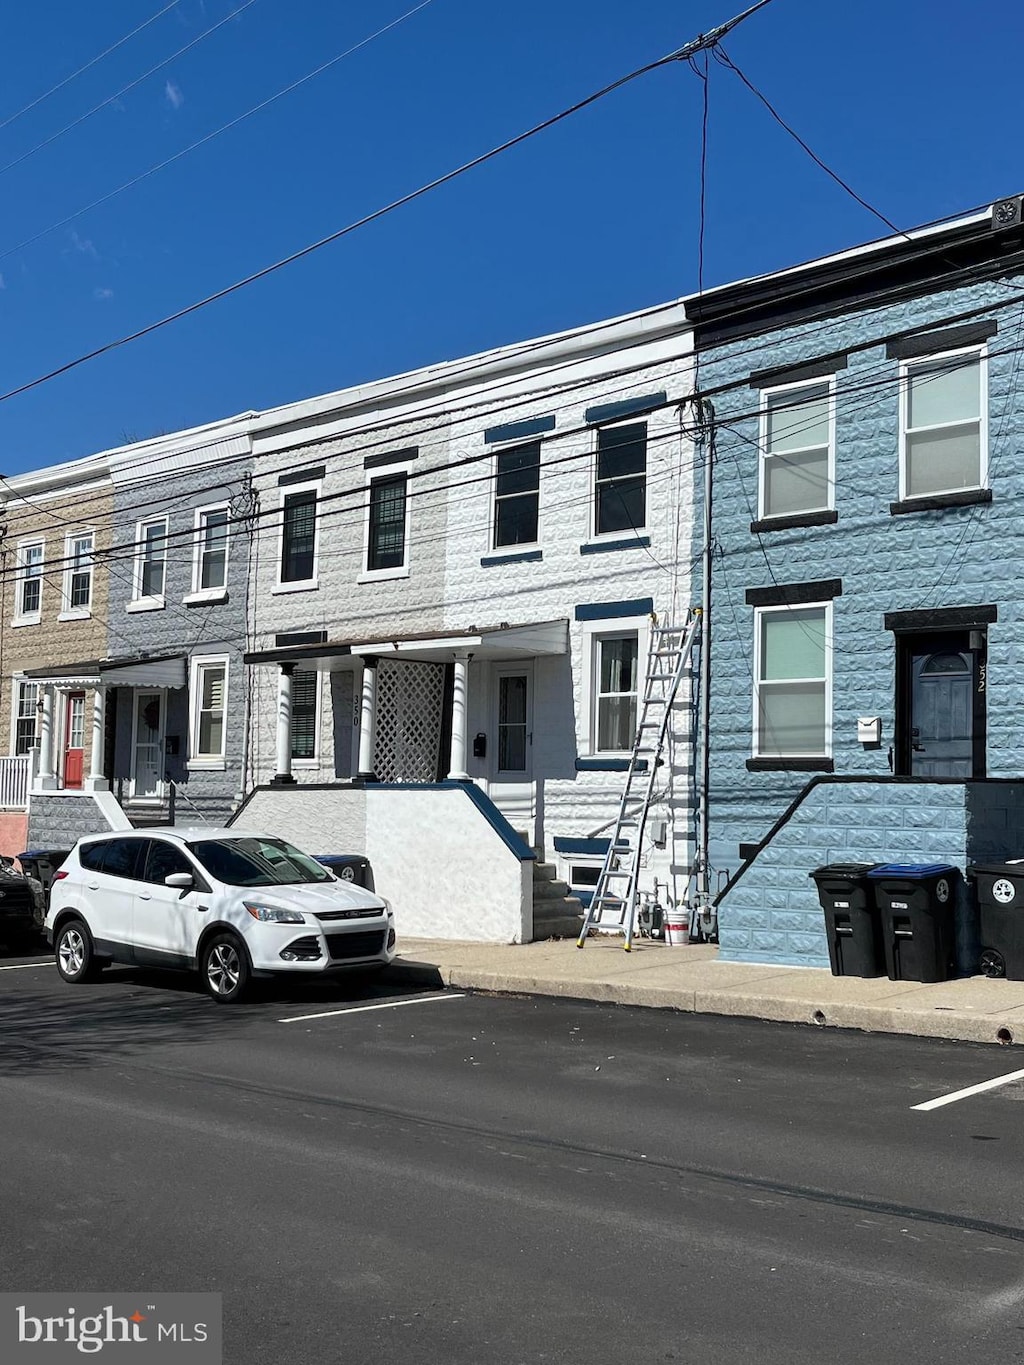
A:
(706, 909)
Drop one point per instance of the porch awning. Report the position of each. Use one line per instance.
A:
(504, 641)
(166, 670)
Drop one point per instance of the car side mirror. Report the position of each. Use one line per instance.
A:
(181, 881)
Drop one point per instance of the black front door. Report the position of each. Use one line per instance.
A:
(940, 714)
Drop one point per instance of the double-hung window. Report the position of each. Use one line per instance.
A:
(305, 695)
(386, 547)
(209, 709)
(797, 445)
(792, 688)
(944, 401)
(30, 582)
(616, 676)
(78, 564)
(298, 535)
(210, 568)
(25, 706)
(517, 495)
(620, 493)
(151, 561)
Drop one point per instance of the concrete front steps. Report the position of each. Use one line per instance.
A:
(556, 912)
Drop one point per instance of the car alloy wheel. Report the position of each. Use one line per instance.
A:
(225, 969)
(74, 954)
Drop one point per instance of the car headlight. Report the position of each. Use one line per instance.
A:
(273, 914)
(387, 908)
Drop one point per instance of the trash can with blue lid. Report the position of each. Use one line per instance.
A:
(917, 904)
(851, 919)
(348, 867)
(1000, 890)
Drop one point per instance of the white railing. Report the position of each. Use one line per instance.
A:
(14, 782)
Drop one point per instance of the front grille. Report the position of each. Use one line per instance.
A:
(365, 944)
(350, 914)
(15, 896)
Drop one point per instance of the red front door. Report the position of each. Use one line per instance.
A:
(74, 739)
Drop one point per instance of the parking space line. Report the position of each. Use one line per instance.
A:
(970, 1090)
(384, 1005)
(20, 966)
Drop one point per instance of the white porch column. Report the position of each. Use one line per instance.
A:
(96, 782)
(47, 773)
(460, 719)
(367, 719)
(283, 777)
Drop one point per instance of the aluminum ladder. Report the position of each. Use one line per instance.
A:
(615, 895)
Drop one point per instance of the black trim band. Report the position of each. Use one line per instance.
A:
(941, 618)
(795, 594)
(516, 557)
(300, 637)
(790, 765)
(516, 431)
(390, 457)
(302, 475)
(611, 611)
(970, 498)
(628, 407)
(792, 522)
(599, 547)
(793, 374)
(945, 339)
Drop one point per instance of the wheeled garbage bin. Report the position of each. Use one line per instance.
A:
(851, 919)
(1000, 888)
(916, 904)
(40, 864)
(348, 867)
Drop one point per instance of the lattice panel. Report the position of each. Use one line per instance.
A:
(410, 698)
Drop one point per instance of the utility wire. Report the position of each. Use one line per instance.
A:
(46, 142)
(683, 53)
(82, 69)
(224, 128)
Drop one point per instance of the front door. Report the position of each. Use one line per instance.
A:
(74, 740)
(148, 746)
(511, 786)
(941, 712)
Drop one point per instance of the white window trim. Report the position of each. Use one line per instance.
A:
(369, 575)
(307, 764)
(600, 537)
(906, 366)
(199, 593)
(31, 618)
(206, 762)
(827, 382)
(759, 614)
(17, 682)
(524, 546)
(68, 612)
(155, 601)
(301, 584)
(591, 633)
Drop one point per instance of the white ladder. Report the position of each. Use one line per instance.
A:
(615, 895)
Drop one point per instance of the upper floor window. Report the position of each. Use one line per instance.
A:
(616, 671)
(78, 561)
(151, 559)
(797, 445)
(517, 495)
(944, 427)
(386, 537)
(620, 493)
(30, 580)
(298, 535)
(792, 682)
(210, 570)
(25, 710)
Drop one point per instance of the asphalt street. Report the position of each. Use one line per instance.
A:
(428, 1177)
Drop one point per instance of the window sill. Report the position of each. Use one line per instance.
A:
(527, 556)
(205, 597)
(608, 763)
(146, 604)
(382, 575)
(207, 765)
(305, 585)
(794, 522)
(971, 497)
(77, 614)
(601, 545)
(790, 765)
(305, 765)
(26, 621)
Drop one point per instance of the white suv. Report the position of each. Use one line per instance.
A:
(228, 904)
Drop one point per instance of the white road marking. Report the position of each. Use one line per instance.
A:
(971, 1090)
(20, 966)
(385, 1005)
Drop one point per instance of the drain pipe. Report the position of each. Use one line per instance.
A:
(707, 911)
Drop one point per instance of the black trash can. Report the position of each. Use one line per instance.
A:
(917, 904)
(348, 867)
(851, 919)
(42, 863)
(1000, 888)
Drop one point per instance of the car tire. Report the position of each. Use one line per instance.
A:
(74, 954)
(224, 966)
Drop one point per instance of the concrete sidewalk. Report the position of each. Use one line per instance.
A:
(974, 1009)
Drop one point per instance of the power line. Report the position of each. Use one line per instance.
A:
(225, 127)
(46, 142)
(82, 69)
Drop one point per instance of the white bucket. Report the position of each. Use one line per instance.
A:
(677, 928)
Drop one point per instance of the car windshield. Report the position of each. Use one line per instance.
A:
(255, 861)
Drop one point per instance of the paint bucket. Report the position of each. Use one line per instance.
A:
(677, 928)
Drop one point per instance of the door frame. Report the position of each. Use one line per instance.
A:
(137, 694)
(507, 670)
(64, 726)
(971, 640)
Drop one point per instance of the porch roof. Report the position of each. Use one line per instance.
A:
(139, 670)
(503, 641)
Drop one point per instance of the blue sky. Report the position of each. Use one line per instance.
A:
(596, 217)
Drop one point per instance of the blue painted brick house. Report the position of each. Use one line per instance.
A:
(869, 529)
